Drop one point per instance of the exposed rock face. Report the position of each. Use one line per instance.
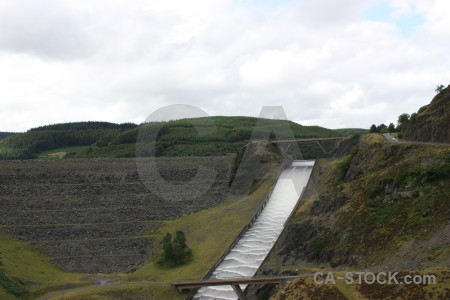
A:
(357, 206)
(433, 124)
(91, 215)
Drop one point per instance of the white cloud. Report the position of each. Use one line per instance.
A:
(121, 60)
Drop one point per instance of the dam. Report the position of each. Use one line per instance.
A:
(247, 255)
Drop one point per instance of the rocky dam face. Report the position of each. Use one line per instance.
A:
(91, 215)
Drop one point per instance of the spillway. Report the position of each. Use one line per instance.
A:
(250, 251)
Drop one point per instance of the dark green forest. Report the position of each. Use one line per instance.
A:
(5, 134)
(34, 141)
(208, 136)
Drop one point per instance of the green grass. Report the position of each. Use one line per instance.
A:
(24, 262)
(208, 233)
(125, 292)
(61, 152)
(401, 192)
(351, 131)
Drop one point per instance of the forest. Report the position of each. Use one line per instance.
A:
(209, 136)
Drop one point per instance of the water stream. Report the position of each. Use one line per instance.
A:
(250, 251)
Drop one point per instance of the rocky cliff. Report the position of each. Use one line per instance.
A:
(376, 205)
(433, 123)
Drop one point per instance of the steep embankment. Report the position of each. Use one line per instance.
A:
(91, 215)
(432, 123)
(378, 205)
(369, 203)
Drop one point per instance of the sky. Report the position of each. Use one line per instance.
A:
(336, 64)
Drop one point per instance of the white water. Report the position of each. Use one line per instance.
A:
(250, 251)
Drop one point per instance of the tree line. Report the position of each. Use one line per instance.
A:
(215, 136)
(85, 126)
(29, 144)
(404, 122)
(5, 134)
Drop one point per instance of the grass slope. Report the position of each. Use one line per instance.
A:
(61, 152)
(23, 263)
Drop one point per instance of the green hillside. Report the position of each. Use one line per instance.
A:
(217, 136)
(5, 134)
(351, 131)
(229, 134)
(31, 143)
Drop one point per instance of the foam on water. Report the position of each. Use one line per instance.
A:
(250, 251)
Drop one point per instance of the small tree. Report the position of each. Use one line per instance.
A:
(373, 129)
(382, 128)
(403, 119)
(272, 136)
(391, 127)
(180, 238)
(176, 251)
(439, 88)
(315, 246)
(168, 247)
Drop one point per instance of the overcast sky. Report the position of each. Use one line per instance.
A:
(342, 63)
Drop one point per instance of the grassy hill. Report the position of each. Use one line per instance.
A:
(223, 135)
(218, 136)
(5, 134)
(351, 131)
(37, 140)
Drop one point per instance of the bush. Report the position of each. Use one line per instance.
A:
(342, 168)
(374, 189)
(315, 246)
(437, 171)
(175, 252)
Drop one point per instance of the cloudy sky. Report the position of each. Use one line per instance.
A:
(341, 63)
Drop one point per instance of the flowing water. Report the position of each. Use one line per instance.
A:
(250, 251)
